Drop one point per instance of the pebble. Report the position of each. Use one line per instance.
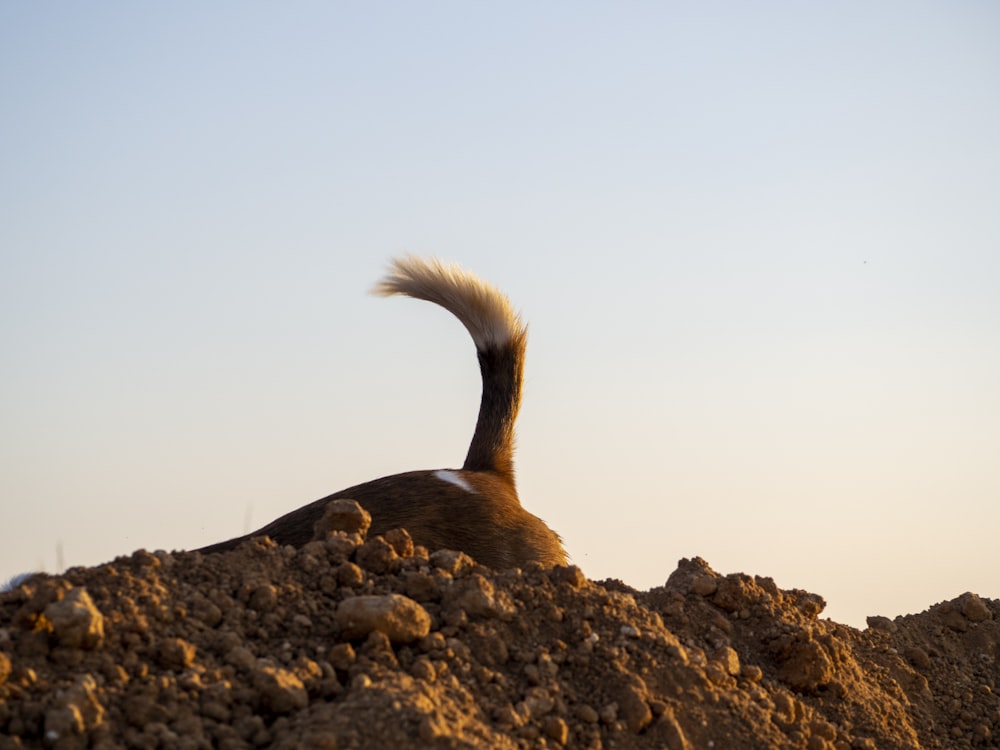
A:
(974, 609)
(398, 617)
(278, 689)
(729, 659)
(377, 556)
(451, 561)
(175, 653)
(77, 709)
(5, 667)
(401, 542)
(263, 598)
(342, 515)
(704, 585)
(917, 657)
(474, 595)
(342, 656)
(76, 622)
(556, 729)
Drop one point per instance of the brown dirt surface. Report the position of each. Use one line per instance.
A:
(355, 643)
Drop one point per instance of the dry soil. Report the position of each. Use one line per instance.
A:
(369, 643)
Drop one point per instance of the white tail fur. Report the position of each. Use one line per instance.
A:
(483, 309)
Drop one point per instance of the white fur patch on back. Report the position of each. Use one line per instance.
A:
(483, 309)
(454, 478)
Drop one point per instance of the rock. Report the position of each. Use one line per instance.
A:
(633, 708)
(342, 515)
(175, 653)
(974, 609)
(805, 666)
(76, 622)
(279, 690)
(398, 617)
(704, 585)
(917, 657)
(401, 542)
(556, 729)
(377, 556)
(729, 660)
(263, 598)
(877, 622)
(475, 595)
(451, 561)
(76, 711)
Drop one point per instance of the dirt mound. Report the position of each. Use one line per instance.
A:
(354, 643)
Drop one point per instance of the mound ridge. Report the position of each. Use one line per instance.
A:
(355, 642)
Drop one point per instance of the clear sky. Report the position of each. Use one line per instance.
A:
(757, 244)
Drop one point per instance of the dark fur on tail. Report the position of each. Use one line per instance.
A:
(475, 509)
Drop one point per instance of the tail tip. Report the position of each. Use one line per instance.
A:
(484, 310)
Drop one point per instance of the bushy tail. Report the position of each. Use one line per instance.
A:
(500, 337)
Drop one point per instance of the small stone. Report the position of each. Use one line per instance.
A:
(432, 728)
(241, 658)
(76, 622)
(278, 690)
(729, 659)
(806, 666)
(401, 541)
(399, 617)
(142, 710)
(342, 656)
(556, 729)
(77, 710)
(5, 667)
(704, 585)
(974, 609)
(716, 674)
(823, 729)
(175, 653)
(263, 598)
(609, 714)
(361, 681)
(307, 560)
(538, 701)
(340, 545)
(451, 561)
(342, 515)
(420, 585)
(570, 574)
(207, 611)
(377, 556)
(633, 709)
(917, 657)
(529, 732)
(506, 716)
(475, 595)
(878, 622)
(350, 575)
(423, 669)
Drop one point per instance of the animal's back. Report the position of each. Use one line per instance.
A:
(475, 509)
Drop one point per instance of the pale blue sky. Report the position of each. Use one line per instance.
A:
(756, 244)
